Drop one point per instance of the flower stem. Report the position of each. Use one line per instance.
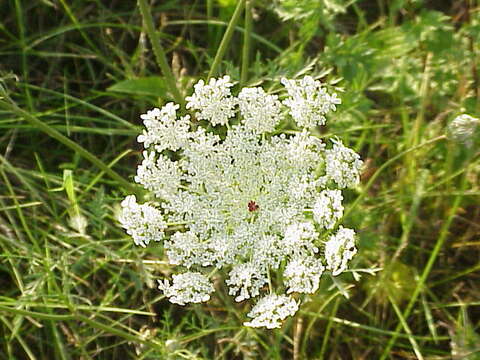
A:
(246, 42)
(297, 335)
(384, 166)
(226, 38)
(444, 232)
(159, 52)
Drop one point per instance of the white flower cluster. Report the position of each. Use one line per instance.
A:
(143, 223)
(260, 207)
(261, 112)
(213, 102)
(462, 129)
(339, 249)
(163, 129)
(189, 287)
(271, 310)
(309, 101)
(328, 208)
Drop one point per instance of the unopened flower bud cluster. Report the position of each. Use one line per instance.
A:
(262, 208)
(462, 129)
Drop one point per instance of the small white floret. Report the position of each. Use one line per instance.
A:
(162, 176)
(343, 165)
(339, 250)
(300, 237)
(309, 101)
(143, 223)
(328, 208)
(271, 310)
(462, 128)
(214, 101)
(189, 287)
(246, 279)
(302, 274)
(261, 112)
(163, 129)
(186, 249)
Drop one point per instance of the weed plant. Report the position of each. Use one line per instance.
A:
(76, 75)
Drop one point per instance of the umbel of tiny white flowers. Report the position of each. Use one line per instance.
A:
(250, 203)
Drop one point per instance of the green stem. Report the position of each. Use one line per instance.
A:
(406, 328)
(10, 105)
(246, 43)
(326, 334)
(159, 52)
(23, 220)
(209, 17)
(260, 39)
(384, 166)
(76, 317)
(372, 329)
(426, 271)
(23, 45)
(226, 38)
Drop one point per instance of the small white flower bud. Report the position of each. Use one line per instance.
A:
(462, 129)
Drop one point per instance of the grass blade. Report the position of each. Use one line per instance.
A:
(159, 52)
(226, 38)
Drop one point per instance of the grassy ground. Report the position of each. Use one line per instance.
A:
(79, 73)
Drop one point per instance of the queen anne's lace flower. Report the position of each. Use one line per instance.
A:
(343, 165)
(162, 176)
(163, 129)
(309, 101)
(302, 274)
(214, 101)
(247, 279)
(189, 287)
(340, 249)
(184, 248)
(243, 201)
(261, 112)
(271, 310)
(328, 208)
(143, 223)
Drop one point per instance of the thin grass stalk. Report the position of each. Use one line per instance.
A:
(226, 38)
(386, 165)
(246, 43)
(22, 218)
(11, 106)
(254, 36)
(428, 267)
(326, 334)
(20, 340)
(84, 103)
(210, 17)
(23, 46)
(159, 52)
(78, 26)
(406, 328)
(356, 325)
(134, 336)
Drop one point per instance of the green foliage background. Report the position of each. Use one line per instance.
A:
(75, 75)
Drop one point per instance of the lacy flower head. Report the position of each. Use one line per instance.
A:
(228, 195)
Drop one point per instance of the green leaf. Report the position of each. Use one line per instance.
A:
(143, 86)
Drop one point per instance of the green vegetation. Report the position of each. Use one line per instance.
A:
(75, 75)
